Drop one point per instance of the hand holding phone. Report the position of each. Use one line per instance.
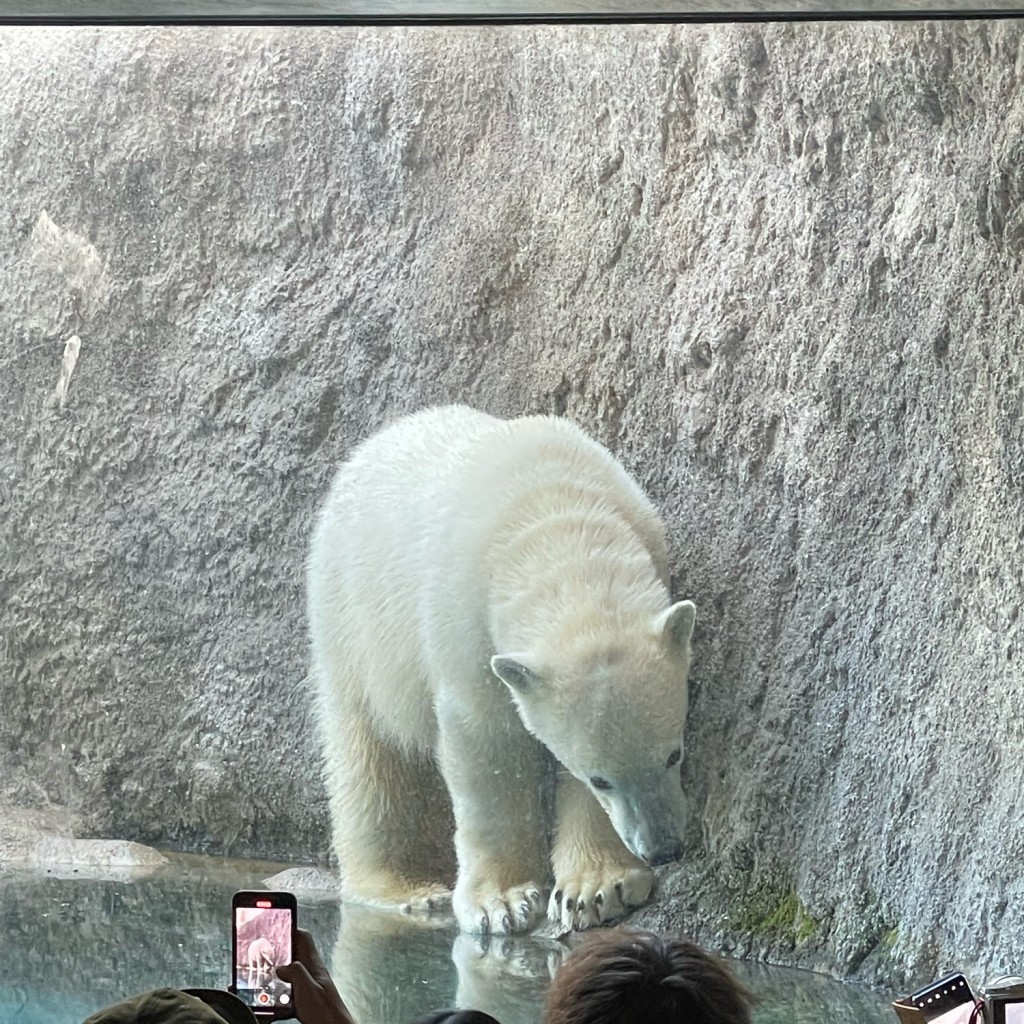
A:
(262, 939)
(315, 994)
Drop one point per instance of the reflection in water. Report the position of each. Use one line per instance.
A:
(391, 968)
(73, 945)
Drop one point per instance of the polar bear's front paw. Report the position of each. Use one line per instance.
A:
(584, 899)
(500, 913)
(391, 892)
(430, 899)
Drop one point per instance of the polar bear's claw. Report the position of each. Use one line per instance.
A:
(587, 900)
(427, 900)
(511, 912)
(440, 900)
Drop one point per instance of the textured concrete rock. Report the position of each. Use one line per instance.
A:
(93, 853)
(312, 883)
(114, 860)
(778, 269)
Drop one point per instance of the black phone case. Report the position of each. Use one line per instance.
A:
(934, 1000)
(277, 1012)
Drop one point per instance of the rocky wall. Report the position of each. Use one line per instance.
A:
(778, 269)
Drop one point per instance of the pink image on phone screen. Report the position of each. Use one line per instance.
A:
(263, 941)
(958, 1015)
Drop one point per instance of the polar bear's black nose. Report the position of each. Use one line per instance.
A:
(666, 854)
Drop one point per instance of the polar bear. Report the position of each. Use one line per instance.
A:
(490, 619)
(260, 955)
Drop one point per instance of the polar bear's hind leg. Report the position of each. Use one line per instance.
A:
(392, 822)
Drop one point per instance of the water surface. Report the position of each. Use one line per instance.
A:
(74, 944)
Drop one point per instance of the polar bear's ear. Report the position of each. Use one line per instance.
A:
(514, 674)
(677, 622)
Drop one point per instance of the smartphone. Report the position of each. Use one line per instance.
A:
(1004, 1000)
(1007, 1011)
(946, 1001)
(262, 937)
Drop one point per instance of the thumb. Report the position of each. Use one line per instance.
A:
(294, 973)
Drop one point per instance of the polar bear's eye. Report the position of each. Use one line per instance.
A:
(673, 758)
(598, 783)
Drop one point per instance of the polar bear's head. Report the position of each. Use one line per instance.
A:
(611, 706)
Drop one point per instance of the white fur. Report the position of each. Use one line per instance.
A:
(482, 595)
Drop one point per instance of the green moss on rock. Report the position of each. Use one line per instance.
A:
(775, 911)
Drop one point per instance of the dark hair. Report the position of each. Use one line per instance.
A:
(619, 976)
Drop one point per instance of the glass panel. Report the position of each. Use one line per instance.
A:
(776, 268)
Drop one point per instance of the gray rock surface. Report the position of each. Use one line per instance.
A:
(778, 269)
(311, 883)
(109, 859)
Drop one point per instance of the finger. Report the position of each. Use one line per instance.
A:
(316, 996)
(296, 975)
(305, 947)
(305, 952)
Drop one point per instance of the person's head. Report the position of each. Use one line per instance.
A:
(620, 976)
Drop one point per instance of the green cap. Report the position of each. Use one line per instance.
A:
(177, 1006)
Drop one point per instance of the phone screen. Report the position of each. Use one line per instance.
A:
(1008, 1013)
(946, 1001)
(960, 1014)
(263, 939)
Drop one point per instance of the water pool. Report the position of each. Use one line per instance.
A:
(74, 944)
